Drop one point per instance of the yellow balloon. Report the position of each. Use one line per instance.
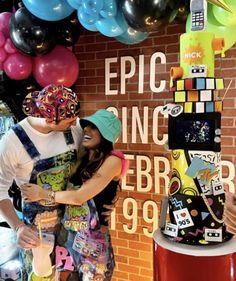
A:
(222, 4)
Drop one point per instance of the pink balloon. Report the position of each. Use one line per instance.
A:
(9, 47)
(5, 22)
(2, 39)
(3, 55)
(60, 66)
(18, 66)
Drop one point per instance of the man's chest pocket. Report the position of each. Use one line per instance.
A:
(55, 179)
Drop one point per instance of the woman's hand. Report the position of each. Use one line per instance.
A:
(230, 212)
(32, 192)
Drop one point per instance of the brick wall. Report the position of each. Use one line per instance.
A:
(137, 213)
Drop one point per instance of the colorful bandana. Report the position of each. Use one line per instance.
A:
(54, 103)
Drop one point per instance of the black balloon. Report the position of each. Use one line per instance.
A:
(148, 15)
(30, 34)
(17, 4)
(6, 6)
(13, 92)
(182, 12)
(68, 30)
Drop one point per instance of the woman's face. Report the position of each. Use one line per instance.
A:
(92, 137)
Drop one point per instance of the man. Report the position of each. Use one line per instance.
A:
(42, 149)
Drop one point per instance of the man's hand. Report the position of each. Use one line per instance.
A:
(27, 238)
(230, 212)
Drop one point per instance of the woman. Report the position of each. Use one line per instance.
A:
(84, 250)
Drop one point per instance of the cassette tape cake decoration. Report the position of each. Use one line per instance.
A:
(196, 194)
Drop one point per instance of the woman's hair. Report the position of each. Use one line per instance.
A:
(98, 158)
(89, 166)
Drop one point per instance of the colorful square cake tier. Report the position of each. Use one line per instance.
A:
(197, 83)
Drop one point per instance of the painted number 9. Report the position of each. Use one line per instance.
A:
(149, 216)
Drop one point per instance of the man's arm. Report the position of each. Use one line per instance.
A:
(9, 214)
(9, 153)
(26, 237)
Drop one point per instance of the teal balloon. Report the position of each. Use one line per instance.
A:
(74, 3)
(109, 9)
(112, 27)
(92, 6)
(50, 10)
(87, 18)
(90, 27)
(132, 36)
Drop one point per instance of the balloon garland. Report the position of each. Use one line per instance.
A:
(35, 34)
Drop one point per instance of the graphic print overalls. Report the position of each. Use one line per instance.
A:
(52, 174)
(84, 251)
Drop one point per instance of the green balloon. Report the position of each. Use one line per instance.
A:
(211, 17)
(224, 17)
(220, 31)
(220, 3)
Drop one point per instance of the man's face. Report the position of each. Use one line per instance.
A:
(63, 124)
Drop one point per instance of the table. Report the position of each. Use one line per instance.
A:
(179, 262)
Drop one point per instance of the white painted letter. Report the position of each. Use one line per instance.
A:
(143, 130)
(123, 74)
(155, 126)
(153, 72)
(108, 76)
(144, 172)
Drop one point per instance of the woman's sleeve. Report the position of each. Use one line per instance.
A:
(124, 162)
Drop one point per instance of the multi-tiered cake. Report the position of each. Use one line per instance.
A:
(196, 194)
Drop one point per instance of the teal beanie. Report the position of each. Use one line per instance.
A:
(107, 123)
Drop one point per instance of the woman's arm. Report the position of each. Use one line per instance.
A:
(230, 212)
(110, 169)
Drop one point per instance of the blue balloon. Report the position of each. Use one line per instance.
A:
(87, 18)
(121, 20)
(90, 27)
(132, 36)
(74, 3)
(92, 6)
(50, 10)
(109, 9)
(112, 27)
